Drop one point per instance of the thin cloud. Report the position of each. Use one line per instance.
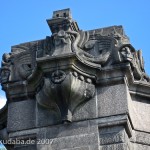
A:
(2, 101)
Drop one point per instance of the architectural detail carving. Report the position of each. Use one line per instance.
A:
(5, 70)
(95, 52)
(18, 64)
(58, 76)
(77, 92)
(87, 83)
(129, 54)
(61, 43)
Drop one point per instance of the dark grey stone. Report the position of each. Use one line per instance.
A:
(74, 141)
(45, 117)
(73, 129)
(76, 90)
(115, 147)
(112, 100)
(29, 147)
(88, 111)
(24, 117)
(140, 118)
(112, 135)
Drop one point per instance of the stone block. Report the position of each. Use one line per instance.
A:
(74, 141)
(120, 146)
(66, 130)
(112, 100)
(70, 136)
(21, 115)
(87, 111)
(136, 146)
(141, 138)
(79, 148)
(29, 147)
(48, 147)
(112, 135)
(140, 113)
(45, 117)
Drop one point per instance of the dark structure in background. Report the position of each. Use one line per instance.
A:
(76, 90)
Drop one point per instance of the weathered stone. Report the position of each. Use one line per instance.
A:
(112, 100)
(136, 146)
(112, 135)
(30, 147)
(140, 119)
(88, 111)
(24, 117)
(141, 138)
(114, 147)
(45, 117)
(76, 90)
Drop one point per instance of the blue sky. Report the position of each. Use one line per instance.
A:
(1, 147)
(22, 21)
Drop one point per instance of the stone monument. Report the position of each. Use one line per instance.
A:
(75, 90)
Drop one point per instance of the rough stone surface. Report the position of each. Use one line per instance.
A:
(76, 90)
(112, 100)
(31, 147)
(141, 138)
(140, 147)
(68, 136)
(140, 113)
(45, 117)
(21, 115)
(114, 147)
(112, 135)
(88, 111)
